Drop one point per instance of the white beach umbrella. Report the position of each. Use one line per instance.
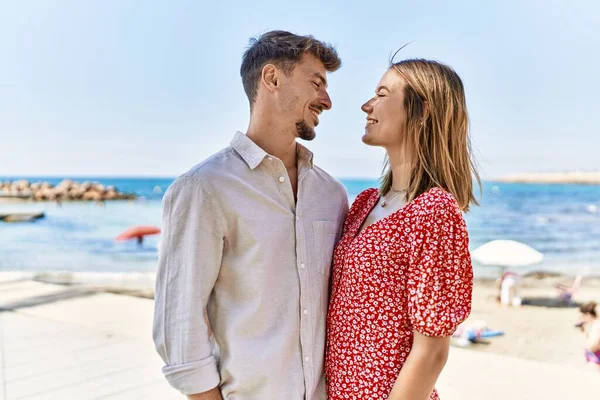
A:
(506, 253)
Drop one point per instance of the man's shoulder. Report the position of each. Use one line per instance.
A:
(331, 183)
(215, 165)
(204, 174)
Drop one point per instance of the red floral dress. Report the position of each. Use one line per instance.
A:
(410, 270)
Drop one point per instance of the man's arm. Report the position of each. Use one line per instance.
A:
(189, 262)
(422, 368)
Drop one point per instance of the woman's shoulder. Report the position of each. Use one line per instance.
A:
(437, 201)
(362, 201)
(366, 195)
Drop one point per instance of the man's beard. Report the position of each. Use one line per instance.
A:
(305, 132)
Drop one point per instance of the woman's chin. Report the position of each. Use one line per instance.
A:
(368, 140)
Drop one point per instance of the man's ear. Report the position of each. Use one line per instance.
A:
(270, 77)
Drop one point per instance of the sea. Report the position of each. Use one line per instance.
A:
(560, 221)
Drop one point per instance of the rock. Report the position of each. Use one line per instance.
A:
(65, 186)
(22, 184)
(61, 191)
(66, 190)
(75, 194)
(91, 195)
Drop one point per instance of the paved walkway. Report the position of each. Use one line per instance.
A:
(67, 342)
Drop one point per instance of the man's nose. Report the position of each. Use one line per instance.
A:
(326, 101)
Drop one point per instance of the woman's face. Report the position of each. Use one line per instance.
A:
(386, 114)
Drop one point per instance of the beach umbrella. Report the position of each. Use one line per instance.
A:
(506, 254)
(138, 232)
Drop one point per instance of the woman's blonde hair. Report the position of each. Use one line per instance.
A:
(436, 132)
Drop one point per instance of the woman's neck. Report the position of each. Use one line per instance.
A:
(401, 167)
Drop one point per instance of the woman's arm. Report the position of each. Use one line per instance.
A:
(593, 337)
(422, 368)
(440, 285)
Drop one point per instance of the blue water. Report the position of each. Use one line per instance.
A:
(561, 221)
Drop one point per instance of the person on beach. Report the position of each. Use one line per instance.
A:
(590, 326)
(402, 275)
(509, 284)
(248, 235)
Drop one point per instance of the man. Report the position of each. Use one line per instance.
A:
(248, 236)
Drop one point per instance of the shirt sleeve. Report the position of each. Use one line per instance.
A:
(189, 261)
(440, 275)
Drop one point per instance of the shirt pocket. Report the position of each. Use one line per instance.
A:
(325, 237)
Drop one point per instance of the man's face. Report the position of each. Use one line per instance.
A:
(304, 96)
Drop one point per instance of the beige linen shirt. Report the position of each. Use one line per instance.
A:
(243, 279)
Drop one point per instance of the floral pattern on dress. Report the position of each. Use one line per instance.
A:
(408, 271)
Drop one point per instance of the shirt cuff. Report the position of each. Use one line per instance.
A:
(195, 377)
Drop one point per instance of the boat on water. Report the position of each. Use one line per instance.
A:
(21, 216)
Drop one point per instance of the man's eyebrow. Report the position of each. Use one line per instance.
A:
(323, 80)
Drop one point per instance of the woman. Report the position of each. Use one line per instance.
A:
(402, 277)
(590, 326)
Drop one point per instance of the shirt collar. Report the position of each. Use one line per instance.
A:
(248, 150)
(253, 155)
(304, 154)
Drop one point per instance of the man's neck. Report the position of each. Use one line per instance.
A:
(274, 140)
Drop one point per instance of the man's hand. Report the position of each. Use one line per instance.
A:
(214, 394)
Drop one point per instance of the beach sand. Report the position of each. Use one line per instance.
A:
(90, 337)
(540, 331)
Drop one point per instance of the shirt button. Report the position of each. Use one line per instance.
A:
(302, 266)
(306, 358)
(281, 179)
(305, 312)
(270, 158)
(297, 218)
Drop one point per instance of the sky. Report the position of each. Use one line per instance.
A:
(151, 88)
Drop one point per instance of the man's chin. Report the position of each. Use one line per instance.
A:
(304, 131)
(308, 138)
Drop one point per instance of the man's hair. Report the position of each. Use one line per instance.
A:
(282, 49)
